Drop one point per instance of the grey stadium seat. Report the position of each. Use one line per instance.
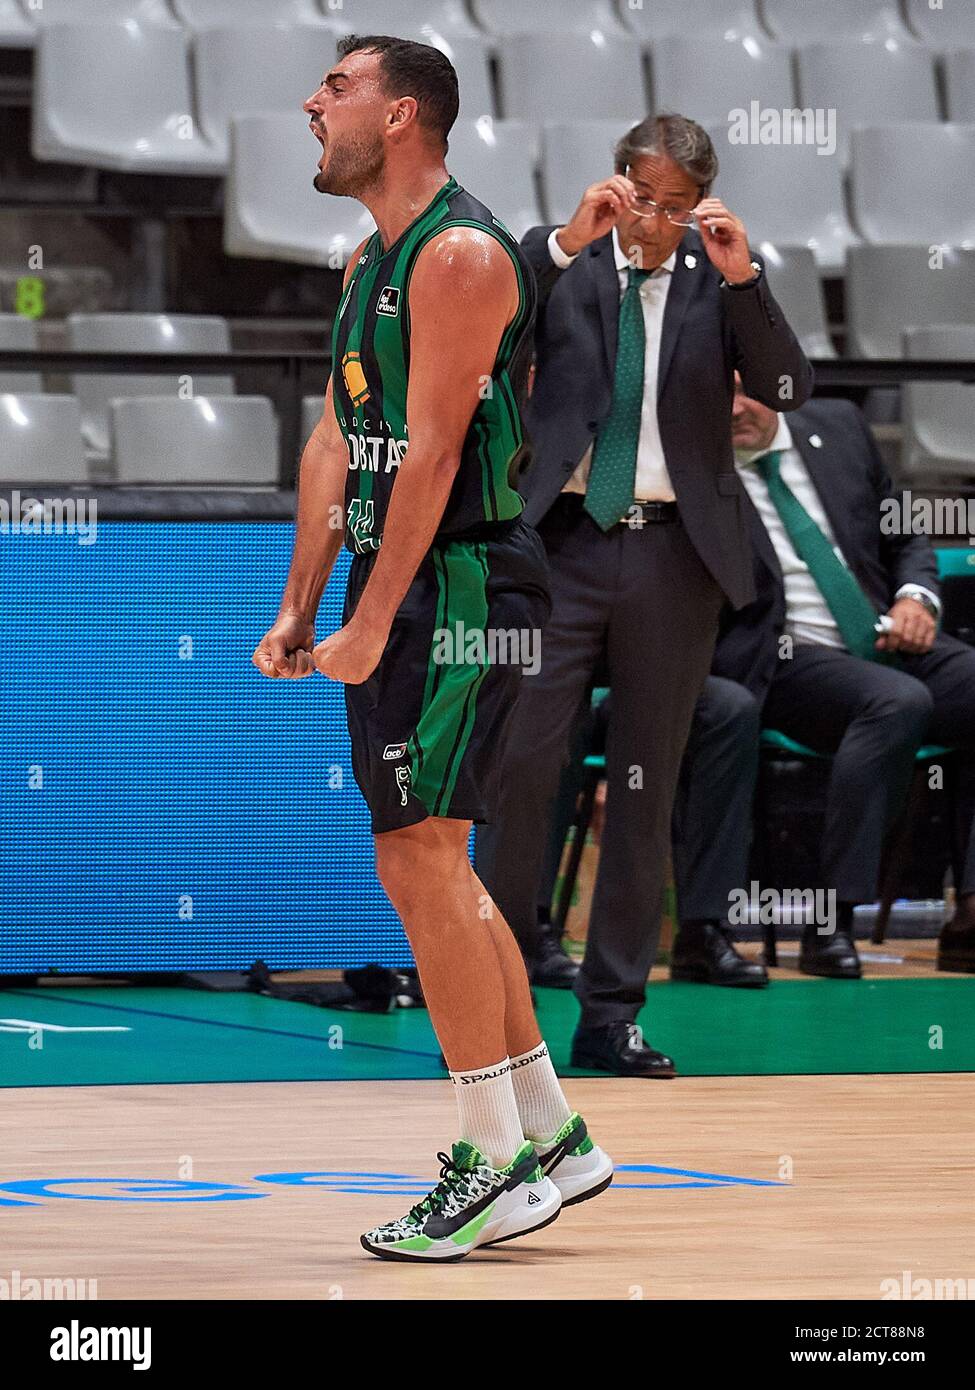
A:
(713, 19)
(565, 76)
(960, 84)
(708, 77)
(448, 18)
(939, 419)
(40, 440)
(118, 96)
(16, 31)
(908, 182)
(495, 161)
(248, 69)
(19, 334)
(311, 412)
(889, 288)
(472, 61)
(211, 440)
(205, 14)
(951, 26)
(574, 155)
(868, 84)
(161, 333)
(547, 16)
(810, 21)
(785, 193)
(270, 206)
(796, 285)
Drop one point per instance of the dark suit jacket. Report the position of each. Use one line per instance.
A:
(708, 331)
(849, 475)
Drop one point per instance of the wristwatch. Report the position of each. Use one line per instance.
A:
(920, 596)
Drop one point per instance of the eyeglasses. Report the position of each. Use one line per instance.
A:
(646, 207)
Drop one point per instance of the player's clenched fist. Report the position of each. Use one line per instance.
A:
(285, 650)
(597, 213)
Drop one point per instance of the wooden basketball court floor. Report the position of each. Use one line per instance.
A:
(764, 1186)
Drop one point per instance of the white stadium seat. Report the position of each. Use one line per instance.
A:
(158, 333)
(574, 155)
(908, 184)
(714, 19)
(40, 440)
(16, 30)
(207, 441)
(960, 84)
(495, 161)
(950, 25)
(811, 21)
(118, 96)
(100, 11)
(246, 69)
(708, 77)
(206, 14)
(547, 16)
(785, 193)
(796, 284)
(447, 18)
(868, 84)
(472, 62)
(271, 208)
(567, 76)
(20, 334)
(939, 418)
(890, 287)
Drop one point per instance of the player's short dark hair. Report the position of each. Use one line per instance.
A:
(677, 137)
(413, 70)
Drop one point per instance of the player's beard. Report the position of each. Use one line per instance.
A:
(352, 167)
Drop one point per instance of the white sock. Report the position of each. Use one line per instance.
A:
(542, 1107)
(488, 1112)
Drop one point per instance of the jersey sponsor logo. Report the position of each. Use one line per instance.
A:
(392, 751)
(354, 378)
(375, 453)
(403, 782)
(388, 301)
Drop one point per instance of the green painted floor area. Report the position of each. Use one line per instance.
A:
(118, 1035)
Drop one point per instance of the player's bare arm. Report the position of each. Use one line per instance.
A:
(285, 650)
(463, 294)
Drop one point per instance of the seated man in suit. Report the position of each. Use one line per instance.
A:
(810, 651)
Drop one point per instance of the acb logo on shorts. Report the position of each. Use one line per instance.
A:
(388, 301)
(392, 751)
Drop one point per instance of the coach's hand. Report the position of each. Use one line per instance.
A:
(349, 655)
(285, 650)
(914, 628)
(597, 214)
(724, 240)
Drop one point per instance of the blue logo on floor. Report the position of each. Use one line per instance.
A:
(628, 1175)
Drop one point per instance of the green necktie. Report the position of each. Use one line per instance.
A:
(612, 475)
(855, 615)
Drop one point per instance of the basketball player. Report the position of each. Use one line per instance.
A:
(417, 448)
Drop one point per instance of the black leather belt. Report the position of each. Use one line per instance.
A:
(637, 514)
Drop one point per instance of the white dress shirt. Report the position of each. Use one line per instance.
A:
(807, 618)
(652, 479)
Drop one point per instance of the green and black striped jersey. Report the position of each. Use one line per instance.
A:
(370, 372)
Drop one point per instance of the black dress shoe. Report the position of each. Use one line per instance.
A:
(553, 968)
(704, 953)
(956, 949)
(834, 956)
(619, 1048)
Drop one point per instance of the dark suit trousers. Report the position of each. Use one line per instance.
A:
(713, 810)
(642, 600)
(873, 718)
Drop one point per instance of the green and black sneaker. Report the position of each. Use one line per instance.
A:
(577, 1166)
(473, 1204)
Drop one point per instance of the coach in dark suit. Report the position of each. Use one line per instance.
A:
(642, 321)
(807, 653)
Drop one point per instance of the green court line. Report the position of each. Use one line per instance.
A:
(810, 1027)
